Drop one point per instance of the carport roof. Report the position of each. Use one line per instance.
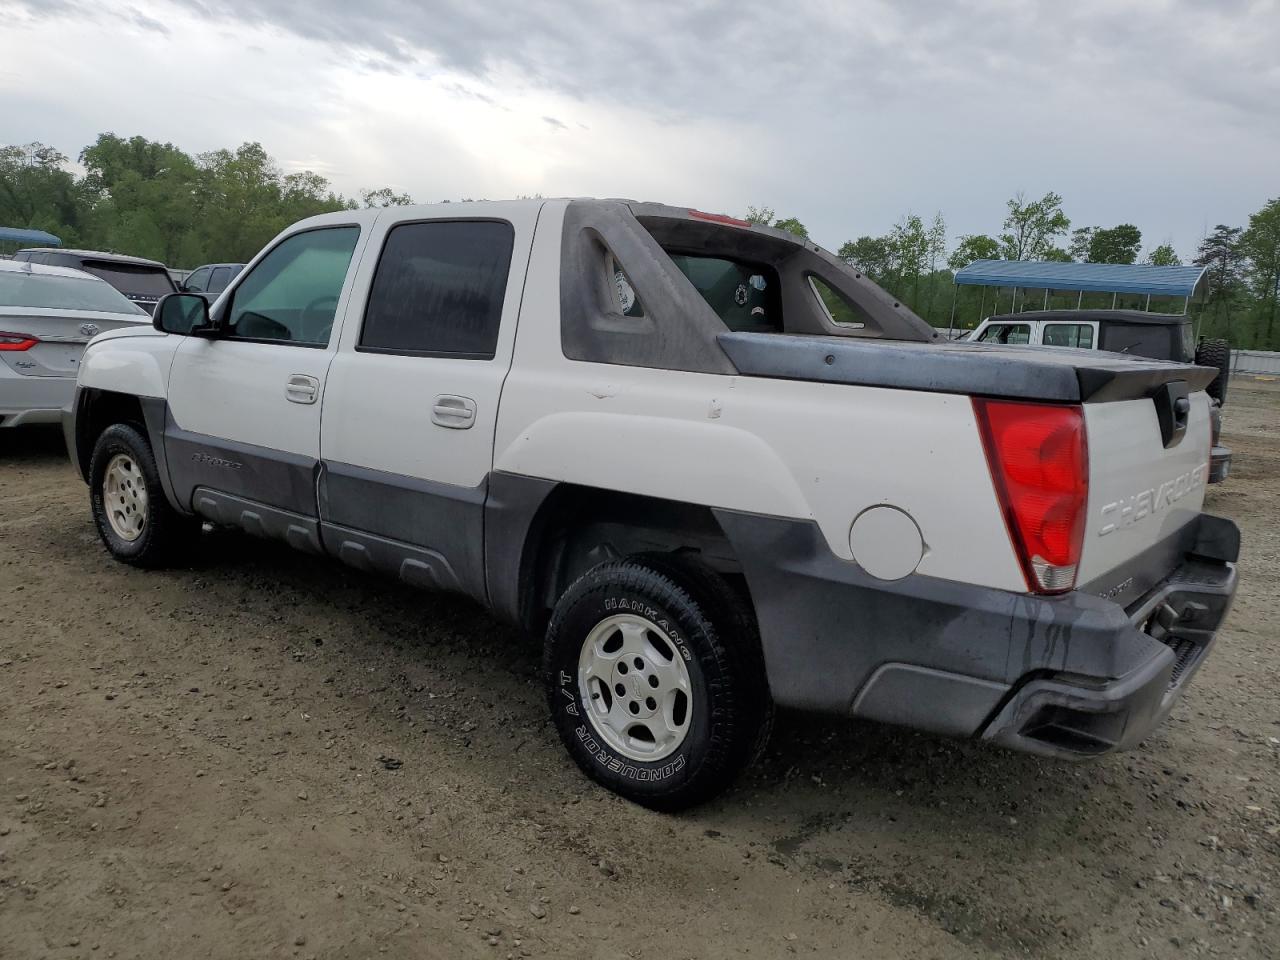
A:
(20, 235)
(1088, 277)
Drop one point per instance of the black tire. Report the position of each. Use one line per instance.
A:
(165, 533)
(731, 609)
(728, 707)
(1216, 353)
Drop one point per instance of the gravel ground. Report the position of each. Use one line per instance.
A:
(265, 754)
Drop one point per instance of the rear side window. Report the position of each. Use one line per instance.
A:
(198, 281)
(1069, 335)
(438, 289)
(626, 301)
(838, 310)
(219, 279)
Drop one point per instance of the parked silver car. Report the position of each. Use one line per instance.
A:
(47, 316)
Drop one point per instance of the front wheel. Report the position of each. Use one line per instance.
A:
(134, 520)
(651, 692)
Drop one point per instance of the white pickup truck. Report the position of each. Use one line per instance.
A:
(711, 465)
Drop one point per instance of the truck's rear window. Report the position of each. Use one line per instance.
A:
(743, 295)
(1157, 341)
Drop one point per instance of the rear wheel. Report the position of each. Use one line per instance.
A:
(651, 691)
(1217, 354)
(134, 520)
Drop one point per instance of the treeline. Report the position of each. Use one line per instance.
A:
(154, 200)
(915, 263)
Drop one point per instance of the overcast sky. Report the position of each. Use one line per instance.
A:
(1163, 113)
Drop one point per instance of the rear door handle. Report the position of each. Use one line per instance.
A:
(301, 388)
(456, 413)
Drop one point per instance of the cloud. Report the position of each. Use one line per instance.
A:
(147, 23)
(846, 115)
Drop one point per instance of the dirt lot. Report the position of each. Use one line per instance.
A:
(270, 755)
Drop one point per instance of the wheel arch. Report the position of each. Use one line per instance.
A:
(96, 409)
(542, 535)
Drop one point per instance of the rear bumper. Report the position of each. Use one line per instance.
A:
(28, 400)
(1078, 716)
(1072, 675)
(1219, 464)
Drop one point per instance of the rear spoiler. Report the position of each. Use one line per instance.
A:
(1059, 375)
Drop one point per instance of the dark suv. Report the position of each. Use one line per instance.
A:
(142, 281)
(210, 279)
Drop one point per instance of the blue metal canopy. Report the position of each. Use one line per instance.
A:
(1087, 277)
(16, 235)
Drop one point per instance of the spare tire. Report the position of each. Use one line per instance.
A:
(1216, 353)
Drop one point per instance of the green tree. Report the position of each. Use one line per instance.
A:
(1223, 259)
(1260, 245)
(764, 216)
(1163, 256)
(142, 195)
(1119, 244)
(384, 197)
(1032, 226)
(792, 225)
(973, 246)
(38, 192)
(872, 255)
(1081, 238)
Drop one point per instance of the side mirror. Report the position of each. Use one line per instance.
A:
(182, 313)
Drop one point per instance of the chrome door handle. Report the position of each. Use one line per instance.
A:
(301, 388)
(456, 413)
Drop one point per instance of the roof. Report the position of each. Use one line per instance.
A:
(98, 255)
(1095, 277)
(19, 235)
(1084, 316)
(45, 270)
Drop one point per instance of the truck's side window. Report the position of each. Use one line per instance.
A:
(1006, 333)
(438, 289)
(291, 295)
(1069, 335)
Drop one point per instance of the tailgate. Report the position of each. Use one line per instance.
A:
(1142, 494)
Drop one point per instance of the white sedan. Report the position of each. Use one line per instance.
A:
(47, 316)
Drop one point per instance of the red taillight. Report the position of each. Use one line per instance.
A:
(16, 341)
(1040, 465)
(719, 218)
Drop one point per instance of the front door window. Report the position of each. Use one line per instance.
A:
(291, 295)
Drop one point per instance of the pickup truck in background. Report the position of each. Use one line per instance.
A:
(1135, 333)
(712, 467)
